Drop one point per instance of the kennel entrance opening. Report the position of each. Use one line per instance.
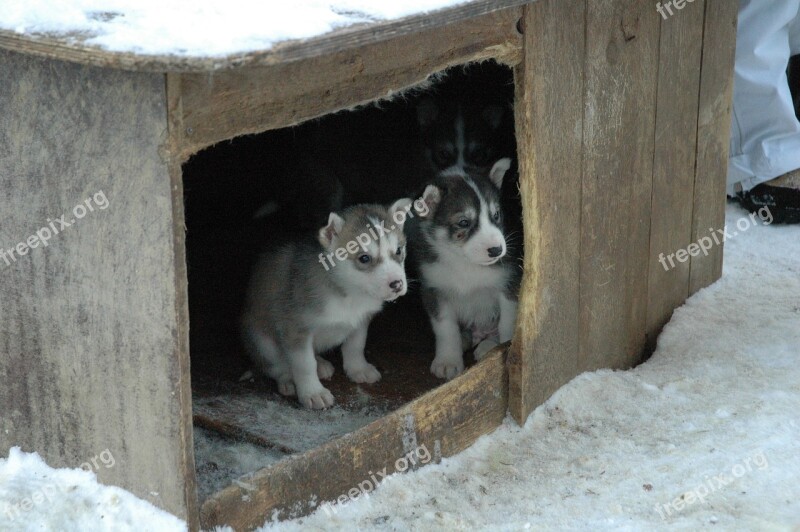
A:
(243, 424)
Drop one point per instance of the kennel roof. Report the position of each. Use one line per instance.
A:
(203, 35)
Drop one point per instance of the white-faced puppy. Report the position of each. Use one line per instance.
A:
(314, 294)
(469, 282)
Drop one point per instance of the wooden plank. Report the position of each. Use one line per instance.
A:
(674, 162)
(73, 47)
(92, 342)
(239, 433)
(221, 105)
(181, 308)
(621, 78)
(549, 121)
(445, 421)
(713, 134)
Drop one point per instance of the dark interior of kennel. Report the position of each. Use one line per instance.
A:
(226, 184)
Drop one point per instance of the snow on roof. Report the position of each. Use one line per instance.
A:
(198, 27)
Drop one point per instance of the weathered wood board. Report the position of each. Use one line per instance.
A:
(621, 79)
(544, 351)
(713, 138)
(216, 106)
(674, 160)
(92, 352)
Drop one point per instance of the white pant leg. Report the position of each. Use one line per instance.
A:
(794, 36)
(765, 135)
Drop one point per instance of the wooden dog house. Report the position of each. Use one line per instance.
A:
(622, 129)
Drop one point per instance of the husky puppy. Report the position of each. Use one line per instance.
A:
(459, 136)
(469, 279)
(311, 295)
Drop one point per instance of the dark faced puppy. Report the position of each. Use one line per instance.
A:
(466, 218)
(459, 248)
(459, 136)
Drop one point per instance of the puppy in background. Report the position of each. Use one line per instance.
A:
(466, 123)
(314, 294)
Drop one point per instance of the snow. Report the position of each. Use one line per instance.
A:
(705, 434)
(35, 497)
(198, 27)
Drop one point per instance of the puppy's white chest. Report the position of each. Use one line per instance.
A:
(462, 278)
(473, 290)
(339, 318)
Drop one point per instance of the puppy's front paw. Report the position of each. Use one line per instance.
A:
(286, 388)
(318, 399)
(484, 347)
(447, 369)
(324, 369)
(365, 373)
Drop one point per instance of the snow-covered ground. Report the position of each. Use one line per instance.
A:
(35, 497)
(706, 434)
(198, 27)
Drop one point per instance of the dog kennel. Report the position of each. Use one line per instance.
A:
(622, 121)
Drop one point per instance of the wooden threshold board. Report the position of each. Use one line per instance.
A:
(445, 420)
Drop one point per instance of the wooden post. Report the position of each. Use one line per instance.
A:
(544, 352)
(93, 342)
(713, 137)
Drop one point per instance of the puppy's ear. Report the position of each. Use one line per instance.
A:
(427, 112)
(329, 234)
(425, 206)
(498, 171)
(493, 115)
(399, 210)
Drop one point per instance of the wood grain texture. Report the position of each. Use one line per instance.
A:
(674, 162)
(713, 137)
(445, 421)
(549, 121)
(221, 105)
(74, 48)
(621, 79)
(91, 349)
(180, 279)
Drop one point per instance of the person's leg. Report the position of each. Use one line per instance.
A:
(765, 137)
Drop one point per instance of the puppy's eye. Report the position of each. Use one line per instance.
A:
(463, 223)
(399, 251)
(496, 216)
(480, 156)
(364, 259)
(443, 156)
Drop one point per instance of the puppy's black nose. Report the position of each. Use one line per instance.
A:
(396, 286)
(495, 251)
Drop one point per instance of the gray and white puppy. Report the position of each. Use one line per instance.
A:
(469, 283)
(311, 295)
